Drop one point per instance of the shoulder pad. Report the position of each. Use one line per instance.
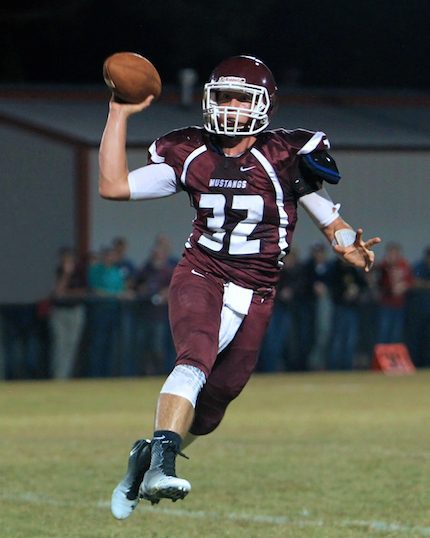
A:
(320, 165)
(300, 139)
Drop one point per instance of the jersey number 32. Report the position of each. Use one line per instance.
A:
(235, 240)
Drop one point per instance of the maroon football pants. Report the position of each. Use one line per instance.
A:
(195, 304)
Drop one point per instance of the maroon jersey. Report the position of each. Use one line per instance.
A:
(246, 206)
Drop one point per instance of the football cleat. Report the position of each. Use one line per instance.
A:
(160, 481)
(125, 496)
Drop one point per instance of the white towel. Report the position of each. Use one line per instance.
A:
(237, 298)
(236, 303)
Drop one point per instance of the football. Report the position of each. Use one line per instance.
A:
(131, 77)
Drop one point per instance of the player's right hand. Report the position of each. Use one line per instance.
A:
(130, 108)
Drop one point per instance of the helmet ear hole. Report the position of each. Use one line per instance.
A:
(246, 75)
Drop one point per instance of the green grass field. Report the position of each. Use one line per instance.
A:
(309, 455)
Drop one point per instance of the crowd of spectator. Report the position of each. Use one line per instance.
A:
(329, 315)
(108, 316)
(126, 311)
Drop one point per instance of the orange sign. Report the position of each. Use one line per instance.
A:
(392, 359)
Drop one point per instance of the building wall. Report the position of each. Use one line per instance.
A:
(36, 212)
(386, 193)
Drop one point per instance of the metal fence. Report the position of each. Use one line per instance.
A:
(132, 338)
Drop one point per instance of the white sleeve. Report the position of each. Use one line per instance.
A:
(152, 181)
(320, 207)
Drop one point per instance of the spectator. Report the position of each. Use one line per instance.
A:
(107, 284)
(124, 263)
(418, 327)
(105, 277)
(421, 270)
(346, 287)
(67, 315)
(368, 326)
(152, 285)
(311, 317)
(127, 329)
(279, 351)
(394, 280)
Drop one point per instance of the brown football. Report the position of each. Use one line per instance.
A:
(131, 77)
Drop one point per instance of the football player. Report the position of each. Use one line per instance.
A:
(245, 183)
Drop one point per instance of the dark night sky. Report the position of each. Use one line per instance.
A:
(338, 43)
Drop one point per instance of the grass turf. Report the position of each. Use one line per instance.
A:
(309, 455)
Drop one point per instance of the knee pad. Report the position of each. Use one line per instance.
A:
(186, 381)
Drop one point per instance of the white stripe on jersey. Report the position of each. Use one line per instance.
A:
(189, 160)
(312, 143)
(154, 155)
(283, 217)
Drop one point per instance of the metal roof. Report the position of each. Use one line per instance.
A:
(348, 125)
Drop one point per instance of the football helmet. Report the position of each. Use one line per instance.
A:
(244, 74)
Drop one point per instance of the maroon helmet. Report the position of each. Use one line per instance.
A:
(244, 74)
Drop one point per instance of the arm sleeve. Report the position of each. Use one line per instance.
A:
(152, 181)
(320, 207)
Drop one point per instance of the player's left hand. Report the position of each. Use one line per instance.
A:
(360, 253)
